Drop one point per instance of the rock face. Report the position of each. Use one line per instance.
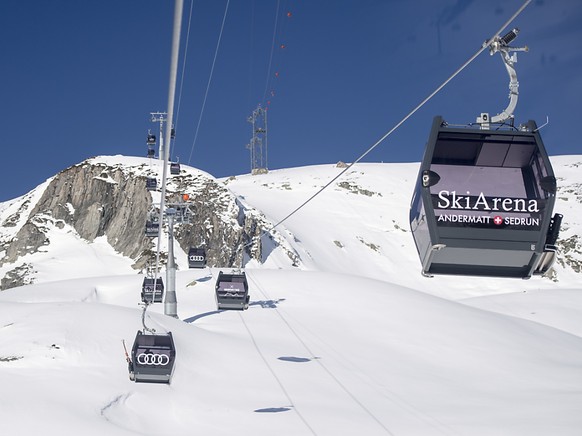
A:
(220, 223)
(98, 199)
(19, 276)
(95, 201)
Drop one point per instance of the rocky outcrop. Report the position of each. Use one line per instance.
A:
(96, 200)
(19, 276)
(28, 240)
(219, 223)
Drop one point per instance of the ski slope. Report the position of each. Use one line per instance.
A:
(352, 340)
(315, 353)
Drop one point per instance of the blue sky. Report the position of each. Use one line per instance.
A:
(79, 78)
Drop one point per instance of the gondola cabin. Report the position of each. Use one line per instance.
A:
(151, 143)
(152, 358)
(174, 168)
(483, 203)
(196, 257)
(152, 228)
(232, 291)
(151, 183)
(152, 290)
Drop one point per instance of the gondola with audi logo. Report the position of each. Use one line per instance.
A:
(197, 257)
(152, 358)
(485, 194)
(232, 291)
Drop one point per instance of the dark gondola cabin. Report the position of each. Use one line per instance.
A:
(152, 290)
(151, 183)
(152, 228)
(196, 257)
(152, 358)
(232, 291)
(483, 203)
(174, 168)
(151, 142)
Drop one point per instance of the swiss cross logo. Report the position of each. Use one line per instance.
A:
(498, 220)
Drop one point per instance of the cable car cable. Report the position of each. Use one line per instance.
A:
(143, 314)
(275, 62)
(484, 46)
(178, 8)
(209, 81)
(272, 50)
(183, 72)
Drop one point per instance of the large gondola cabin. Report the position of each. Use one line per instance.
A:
(483, 203)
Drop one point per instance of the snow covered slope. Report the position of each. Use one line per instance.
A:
(100, 207)
(353, 340)
(315, 353)
(360, 225)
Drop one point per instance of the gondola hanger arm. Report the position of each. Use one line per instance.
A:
(143, 316)
(500, 44)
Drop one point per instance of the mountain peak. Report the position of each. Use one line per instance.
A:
(89, 220)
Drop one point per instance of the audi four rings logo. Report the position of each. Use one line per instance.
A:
(153, 359)
(197, 258)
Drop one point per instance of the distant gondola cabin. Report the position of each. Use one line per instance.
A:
(197, 257)
(174, 168)
(152, 290)
(232, 291)
(152, 228)
(151, 183)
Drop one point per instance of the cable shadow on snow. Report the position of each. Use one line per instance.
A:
(294, 359)
(267, 304)
(272, 410)
(202, 315)
(264, 304)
